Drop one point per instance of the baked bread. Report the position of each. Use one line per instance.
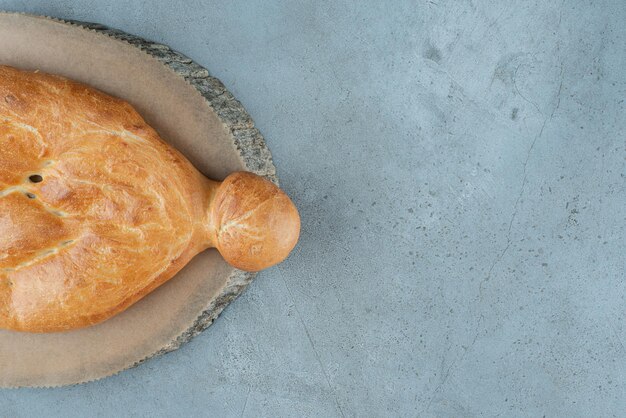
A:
(96, 211)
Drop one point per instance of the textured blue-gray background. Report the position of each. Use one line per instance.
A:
(460, 168)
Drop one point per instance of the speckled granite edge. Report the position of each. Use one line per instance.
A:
(247, 139)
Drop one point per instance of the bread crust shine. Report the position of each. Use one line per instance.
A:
(96, 211)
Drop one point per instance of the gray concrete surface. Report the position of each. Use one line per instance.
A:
(461, 172)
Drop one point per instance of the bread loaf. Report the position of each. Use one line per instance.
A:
(96, 211)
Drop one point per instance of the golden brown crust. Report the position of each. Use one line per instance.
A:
(257, 225)
(96, 210)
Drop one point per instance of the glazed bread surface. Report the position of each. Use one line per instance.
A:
(96, 210)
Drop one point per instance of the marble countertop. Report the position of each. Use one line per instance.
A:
(460, 168)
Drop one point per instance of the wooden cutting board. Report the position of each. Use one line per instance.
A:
(193, 112)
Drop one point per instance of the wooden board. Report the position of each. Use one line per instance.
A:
(191, 110)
